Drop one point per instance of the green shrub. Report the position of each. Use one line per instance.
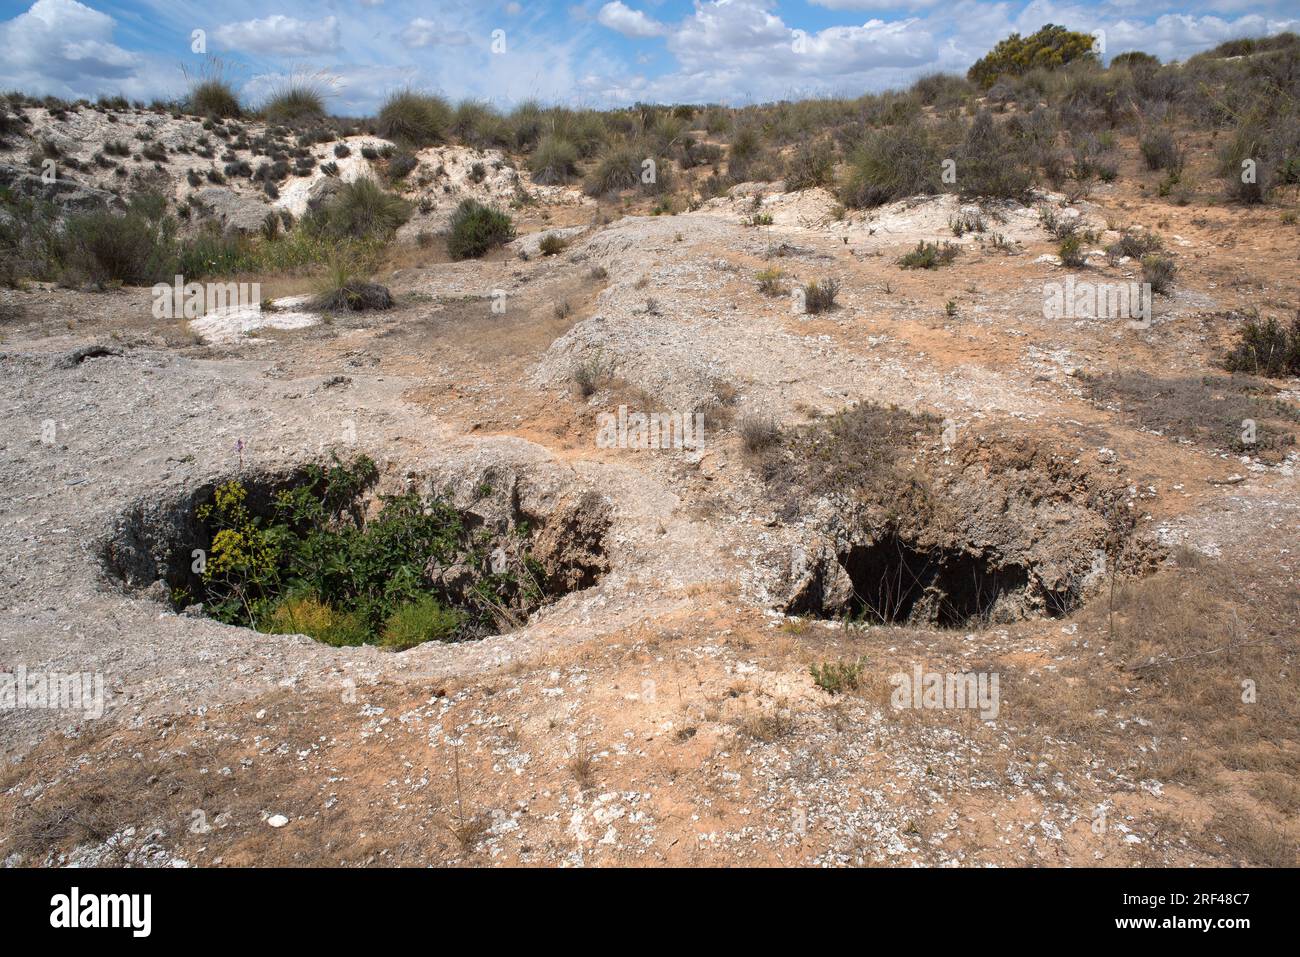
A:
(416, 119)
(309, 246)
(242, 570)
(745, 153)
(214, 252)
(929, 255)
(1161, 150)
(1051, 47)
(551, 244)
(30, 240)
(889, 165)
(812, 164)
(361, 209)
(525, 124)
(819, 296)
(941, 89)
(213, 97)
(990, 164)
(769, 282)
(1134, 59)
(664, 133)
(585, 129)
(297, 102)
(617, 169)
(554, 161)
(1266, 348)
(401, 165)
(476, 228)
(717, 120)
(1159, 272)
(1265, 140)
(137, 247)
(308, 615)
(837, 677)
(1248, 46)
(424, 619)
(478, 124)
(1071, 252)
(701, 154)
(305, 562)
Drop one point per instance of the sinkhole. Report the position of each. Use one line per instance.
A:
(895, 580)
(319, 551)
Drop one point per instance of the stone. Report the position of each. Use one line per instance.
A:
(232, 211)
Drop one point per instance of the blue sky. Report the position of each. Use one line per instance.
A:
(579, 52)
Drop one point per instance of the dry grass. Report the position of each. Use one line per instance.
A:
(1250, 839)
(469, 831)
(862, 446)
(765, 724)
(90, 814)
(759, 433)
(1205, 655)
(590, 375)
(1211, 411)
(582, 765)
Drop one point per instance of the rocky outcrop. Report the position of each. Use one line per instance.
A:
(231, 210)
(70, 195)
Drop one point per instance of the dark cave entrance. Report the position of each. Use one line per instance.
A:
(895, 581)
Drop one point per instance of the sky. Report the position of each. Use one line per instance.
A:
(597, 53)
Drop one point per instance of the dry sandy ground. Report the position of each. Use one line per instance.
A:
(666, 715)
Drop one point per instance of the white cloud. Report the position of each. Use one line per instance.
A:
(631, 23)
(743, 43)
(352, 91)
(876, 4)
(421, 32)
(64, 40)
(1171, 36)
(278, 35)
(1177, 36)
(721, 29)
(64, 48)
